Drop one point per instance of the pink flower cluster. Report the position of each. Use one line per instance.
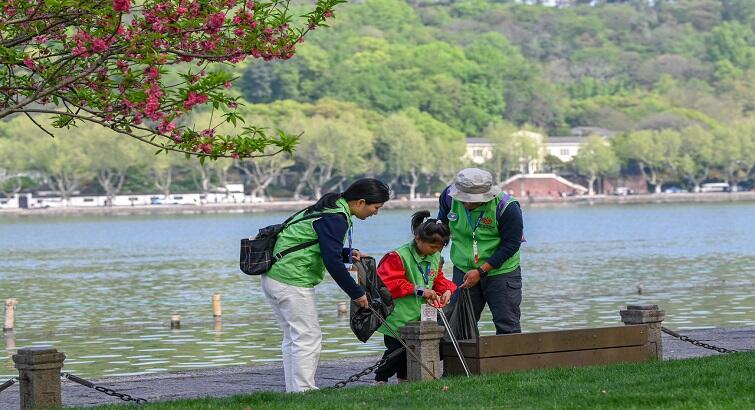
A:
(193, 99)
(124, 6)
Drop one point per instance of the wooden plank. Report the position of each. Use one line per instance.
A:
(578, 358)
(452, 366)
(469, 348)
(554, 341)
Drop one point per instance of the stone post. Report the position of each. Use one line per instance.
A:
(649, 315)
(39, 377)
(424, 340)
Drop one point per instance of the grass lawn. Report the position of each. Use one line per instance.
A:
(725, 381)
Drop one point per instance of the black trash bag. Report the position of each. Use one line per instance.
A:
(363, 321)
(461, 318)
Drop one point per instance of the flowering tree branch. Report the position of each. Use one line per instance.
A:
(107, 62)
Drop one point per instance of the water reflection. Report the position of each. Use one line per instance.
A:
(101, 289)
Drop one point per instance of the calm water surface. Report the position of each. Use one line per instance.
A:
(102, 289)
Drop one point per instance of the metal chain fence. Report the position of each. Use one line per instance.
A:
(7, 384)
(696, 342)
(356, 376)
(102, 389)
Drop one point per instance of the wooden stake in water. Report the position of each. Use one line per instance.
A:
(10, 314)
(216, 308)
(175, 322)
(342, 309)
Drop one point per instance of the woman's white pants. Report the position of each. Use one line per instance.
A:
(296, 310)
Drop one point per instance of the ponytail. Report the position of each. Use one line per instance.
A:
(373, 191)
(430, 229)
(326, 201)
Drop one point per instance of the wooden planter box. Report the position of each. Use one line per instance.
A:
(562, 348)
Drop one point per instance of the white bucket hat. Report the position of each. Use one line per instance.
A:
(473, 185)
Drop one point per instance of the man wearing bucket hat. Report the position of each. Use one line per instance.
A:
(486, 233)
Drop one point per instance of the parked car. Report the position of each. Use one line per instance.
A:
(715, 187)
(622, 190)
(674, 190)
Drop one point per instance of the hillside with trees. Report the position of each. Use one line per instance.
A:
(392, 89)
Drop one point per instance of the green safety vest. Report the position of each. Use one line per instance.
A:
(488, 239)
(408, 308)
(303, 268)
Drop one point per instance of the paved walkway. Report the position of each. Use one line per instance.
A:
(245, 379)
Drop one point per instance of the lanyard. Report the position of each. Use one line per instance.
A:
(474, 233)
(426, 272)
(476, 224)
(351, 258)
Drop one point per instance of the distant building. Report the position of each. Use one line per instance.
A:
(525, 185)
(479, 150)
(565, 148)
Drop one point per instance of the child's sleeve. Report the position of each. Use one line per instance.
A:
(442, 284)
(391, 271)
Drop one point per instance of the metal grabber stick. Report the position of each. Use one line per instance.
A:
(453, 340)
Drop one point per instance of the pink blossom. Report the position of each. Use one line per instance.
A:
(99, 45)
(166, 127)
(193, 99)
(122, 5)
(152, 72)
(215, 22)
(29, 63)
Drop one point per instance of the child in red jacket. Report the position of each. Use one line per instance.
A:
(414, 277)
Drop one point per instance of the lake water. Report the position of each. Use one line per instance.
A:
(102, 289)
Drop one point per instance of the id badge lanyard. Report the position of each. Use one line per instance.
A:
(351, 257)
(425, 272)
(474, 234)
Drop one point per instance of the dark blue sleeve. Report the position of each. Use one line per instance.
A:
(331, 230)
(510, 229)
(443, 208)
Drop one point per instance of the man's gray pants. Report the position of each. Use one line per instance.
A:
(502, 294)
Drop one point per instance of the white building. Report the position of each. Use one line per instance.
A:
(480, 150)
(564, 148)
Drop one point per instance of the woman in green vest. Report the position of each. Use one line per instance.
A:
(414, 276)
(289, 284)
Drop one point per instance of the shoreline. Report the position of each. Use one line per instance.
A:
(290, 205)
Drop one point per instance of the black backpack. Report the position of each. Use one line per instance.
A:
(257, 253)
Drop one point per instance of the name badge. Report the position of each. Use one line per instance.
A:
(429, 313)
(452, 216)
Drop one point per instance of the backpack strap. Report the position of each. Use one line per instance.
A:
(502, 205)
(278, 256)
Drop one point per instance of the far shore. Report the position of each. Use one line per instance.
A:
(400, 203)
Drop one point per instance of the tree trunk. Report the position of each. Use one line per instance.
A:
(111, 182)
(413, 185)
(303, 181)
(317, 183)
(163, 180)
(66, 185)
(590, 190)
